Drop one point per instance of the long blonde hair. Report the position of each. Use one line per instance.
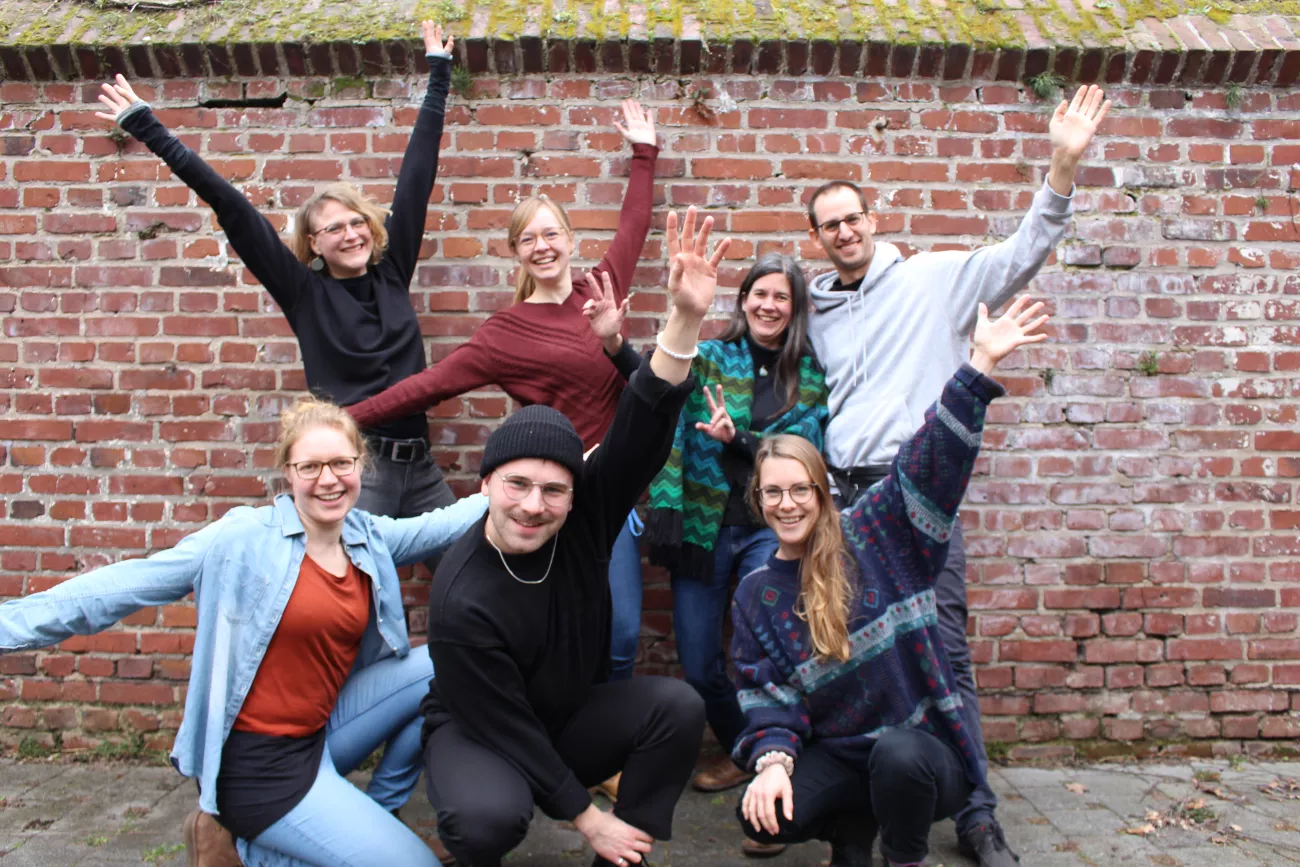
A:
(825, 592)
(312, 412)
(523, 214)
(349, 197)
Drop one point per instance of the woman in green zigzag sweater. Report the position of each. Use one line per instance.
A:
(760, 377)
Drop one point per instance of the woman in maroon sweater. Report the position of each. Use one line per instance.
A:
(541, 349)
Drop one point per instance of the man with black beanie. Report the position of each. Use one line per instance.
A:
(520, 712)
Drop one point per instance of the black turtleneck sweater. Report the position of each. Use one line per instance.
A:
(357, 335)
(515, 660)
(738, 456)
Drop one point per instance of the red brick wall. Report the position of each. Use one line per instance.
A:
(1131, 532)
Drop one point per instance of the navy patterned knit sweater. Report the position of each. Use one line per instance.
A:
(897, 674)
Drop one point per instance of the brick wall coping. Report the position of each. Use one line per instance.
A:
(1114, 41)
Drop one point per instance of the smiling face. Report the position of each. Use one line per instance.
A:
(544, 247)
(522, 526)
(326, 499)
(792, 522)
(849, 248)
(768, 306)
(341, 237)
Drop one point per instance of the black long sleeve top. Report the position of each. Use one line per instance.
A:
(357, 335)
(515, 661)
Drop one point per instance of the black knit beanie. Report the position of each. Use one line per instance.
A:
(534, 432)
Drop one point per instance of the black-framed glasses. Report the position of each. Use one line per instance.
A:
(524, 243)
(333, 230)
(518, 488)
(340, 467)
(800, 494)
(853, 220)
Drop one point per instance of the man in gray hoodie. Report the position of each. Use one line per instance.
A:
(891, 331)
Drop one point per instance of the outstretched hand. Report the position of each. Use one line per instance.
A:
(994, 340)
(117, 97)
(692, 273)
(432, 34)
(638, 124)
(719, 426)
(1075, 122)
(604, 314)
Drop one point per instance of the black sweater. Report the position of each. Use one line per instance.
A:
(357, 335)
(515, 661)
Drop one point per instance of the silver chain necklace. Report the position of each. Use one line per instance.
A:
(554, 544)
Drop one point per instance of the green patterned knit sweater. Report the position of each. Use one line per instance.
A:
(688, 497)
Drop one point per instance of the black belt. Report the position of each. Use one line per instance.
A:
(853, 481)
(398, 451)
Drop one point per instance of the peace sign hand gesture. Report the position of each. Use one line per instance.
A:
(117, 98)
(433, 43)
(720, 426)
(638, 124)
(604, 314)
(994, 340)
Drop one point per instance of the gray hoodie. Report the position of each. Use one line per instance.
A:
(891, 345)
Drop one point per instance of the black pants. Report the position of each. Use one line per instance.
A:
(950, 598)
(647, 727)
(911, 780)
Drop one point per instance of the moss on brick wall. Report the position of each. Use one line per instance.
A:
(995, 23)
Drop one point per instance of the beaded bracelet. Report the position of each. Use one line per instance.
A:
(775, 757)
(659, 342)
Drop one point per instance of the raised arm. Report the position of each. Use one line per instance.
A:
(929, 475)
(420, 163)
(638, 128)
(993, 274)
(641, 434)
(96, 600)
(254, 238)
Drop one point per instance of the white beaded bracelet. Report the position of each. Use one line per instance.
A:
(659, 342)
(775, 757)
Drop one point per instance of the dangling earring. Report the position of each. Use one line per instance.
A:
(318, 264)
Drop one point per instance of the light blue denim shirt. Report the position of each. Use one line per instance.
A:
(241, 569)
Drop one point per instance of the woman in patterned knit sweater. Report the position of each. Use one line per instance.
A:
(854, 723)
(759, 378)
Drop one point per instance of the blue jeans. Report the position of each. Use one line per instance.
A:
(625, 594)
(698, 611)
(336, 824)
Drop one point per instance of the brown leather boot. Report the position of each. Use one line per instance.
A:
(432, 840)
(207, 843)
(720, 776)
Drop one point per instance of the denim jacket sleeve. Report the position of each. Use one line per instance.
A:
(411, 540)
(95, 601)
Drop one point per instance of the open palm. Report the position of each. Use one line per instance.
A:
(638, 124)
(693, 274)
(1074, 123)
(1021, 324)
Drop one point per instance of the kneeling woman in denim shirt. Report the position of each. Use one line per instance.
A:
(301, 663)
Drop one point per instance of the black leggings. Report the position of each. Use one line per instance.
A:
(911, 780)
(647, 727)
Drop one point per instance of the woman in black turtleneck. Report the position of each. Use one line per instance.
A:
(759, 377)
(344, 285)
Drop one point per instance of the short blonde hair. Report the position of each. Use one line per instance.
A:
(312, 412)
(523, 214)
(351, 198)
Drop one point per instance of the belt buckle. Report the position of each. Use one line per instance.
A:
(411, 451)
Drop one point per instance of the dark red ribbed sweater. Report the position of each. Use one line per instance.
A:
(539, 353)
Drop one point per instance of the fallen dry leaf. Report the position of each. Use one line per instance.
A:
(1077, 788)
